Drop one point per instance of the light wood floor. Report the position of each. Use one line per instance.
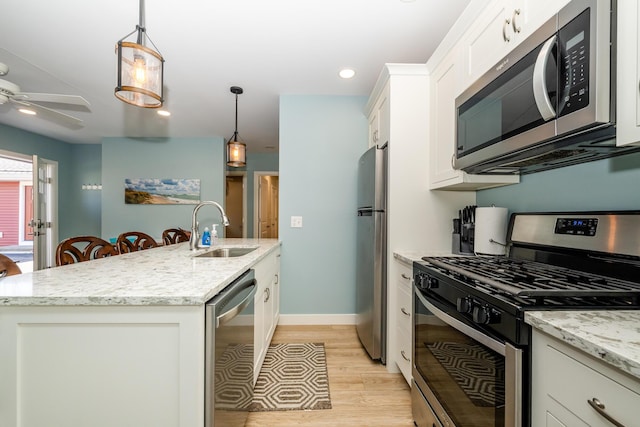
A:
(362, 392)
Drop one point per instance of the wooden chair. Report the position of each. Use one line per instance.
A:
(133, 241)
(171, 236)
(83, 248)
(8, 267)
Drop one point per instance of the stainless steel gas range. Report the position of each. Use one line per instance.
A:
(471, 358)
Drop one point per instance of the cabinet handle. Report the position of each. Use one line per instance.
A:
(404, 276)
(404, 311)
(516, 27)
(404, 356)
(277, 279)
(268, 294)
(599, 407)
(505, 36)
(453, 161)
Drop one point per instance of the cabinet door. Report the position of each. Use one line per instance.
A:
(443, 115)
(374, 128)
(628, 78)
(403, 313)
(444, 85)
(565, 380)
(379, 120)
(504, 25)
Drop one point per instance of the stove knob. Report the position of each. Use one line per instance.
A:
(485, 315)
(464, 305)
(432, 282)
(424, 281)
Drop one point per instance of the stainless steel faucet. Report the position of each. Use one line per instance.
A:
(195, 235)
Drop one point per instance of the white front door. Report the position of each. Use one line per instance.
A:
(45, 209)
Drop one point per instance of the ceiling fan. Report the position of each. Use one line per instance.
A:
(28, 102)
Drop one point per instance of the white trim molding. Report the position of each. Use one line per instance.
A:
(317, 319)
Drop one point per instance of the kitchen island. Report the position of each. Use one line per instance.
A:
(115, 341)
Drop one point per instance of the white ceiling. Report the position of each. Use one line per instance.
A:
(268, 47)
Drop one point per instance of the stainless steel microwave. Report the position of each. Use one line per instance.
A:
(549, 103)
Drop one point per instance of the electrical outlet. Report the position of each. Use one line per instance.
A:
(1, 234)
(296, 222)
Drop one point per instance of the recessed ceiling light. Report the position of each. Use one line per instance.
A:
(164, 113)
(347, 73)
(27, 111)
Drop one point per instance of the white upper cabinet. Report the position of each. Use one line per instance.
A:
(379, 120)
(445, 85)
(628, 77)
(501, 27)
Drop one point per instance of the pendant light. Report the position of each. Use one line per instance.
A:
(140, 69)
(236, 150)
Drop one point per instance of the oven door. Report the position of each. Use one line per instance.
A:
(468, 378)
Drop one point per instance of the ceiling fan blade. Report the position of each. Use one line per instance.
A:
(51, 97)
(50, 113)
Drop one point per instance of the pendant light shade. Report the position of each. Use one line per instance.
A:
(140, 69)
(236, 150)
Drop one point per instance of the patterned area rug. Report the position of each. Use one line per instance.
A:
(479, 373)
(293, 377)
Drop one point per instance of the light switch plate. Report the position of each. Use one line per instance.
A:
(296, 222)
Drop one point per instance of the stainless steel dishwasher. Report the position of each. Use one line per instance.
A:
(229, 353)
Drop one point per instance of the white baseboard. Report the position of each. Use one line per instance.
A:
(317, 319)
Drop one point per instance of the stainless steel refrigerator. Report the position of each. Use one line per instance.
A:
(371, 264)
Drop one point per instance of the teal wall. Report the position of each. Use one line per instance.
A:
(81, 211)
(87, 169)
(610, 184)
(256, 162)
(76, 209)
(321, 140)
(189, 158)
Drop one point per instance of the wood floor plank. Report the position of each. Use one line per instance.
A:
(362, 392)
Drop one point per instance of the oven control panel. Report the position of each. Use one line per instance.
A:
(577, 226)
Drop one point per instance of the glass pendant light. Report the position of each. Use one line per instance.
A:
(236, 150)
(140, 69)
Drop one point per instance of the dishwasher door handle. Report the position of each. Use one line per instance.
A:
(238, 308)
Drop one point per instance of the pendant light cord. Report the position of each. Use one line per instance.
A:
(235, 133)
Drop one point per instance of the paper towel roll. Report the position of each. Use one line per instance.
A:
(491, 227)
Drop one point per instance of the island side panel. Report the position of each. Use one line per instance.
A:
(102, 366)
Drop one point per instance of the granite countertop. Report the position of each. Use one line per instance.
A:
(609, 335)
(168, 275)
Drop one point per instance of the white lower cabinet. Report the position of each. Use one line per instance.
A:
(403, 312)
(571, 388)
(102, 366)
(266, 306)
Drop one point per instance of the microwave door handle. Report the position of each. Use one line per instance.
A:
(540, 92)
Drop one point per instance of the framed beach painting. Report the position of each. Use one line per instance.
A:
(169, 191)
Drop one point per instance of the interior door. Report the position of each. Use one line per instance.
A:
(44, 221)
(264, 220)
(234, 206)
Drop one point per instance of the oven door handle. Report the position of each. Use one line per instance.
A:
(467, 330)
(512, 355)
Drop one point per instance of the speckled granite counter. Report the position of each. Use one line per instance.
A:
(611, 336)
(168, 275)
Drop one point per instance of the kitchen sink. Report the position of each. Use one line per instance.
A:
(226, 252)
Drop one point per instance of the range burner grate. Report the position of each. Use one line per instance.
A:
(523, 278)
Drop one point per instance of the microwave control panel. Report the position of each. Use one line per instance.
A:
(573, 64)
